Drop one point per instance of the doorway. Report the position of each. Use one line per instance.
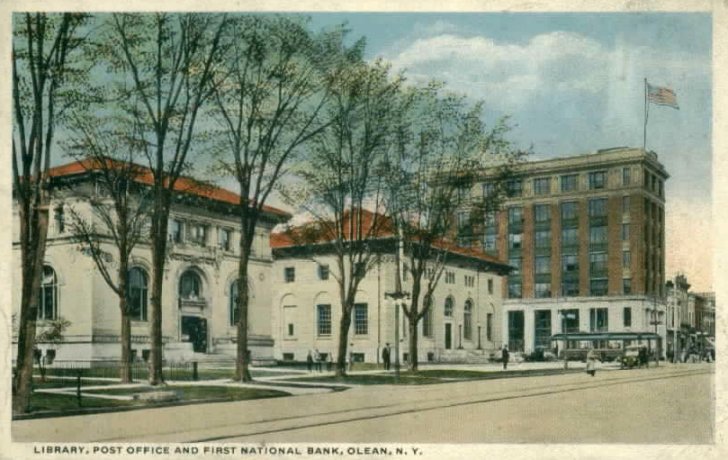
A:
(194, 330)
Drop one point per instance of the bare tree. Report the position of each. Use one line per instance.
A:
(45, 68)
(442, 149)
(340, 181)
(269, 105)
(119, 215)
(166, 63)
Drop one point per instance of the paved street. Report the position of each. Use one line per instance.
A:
(670, 404)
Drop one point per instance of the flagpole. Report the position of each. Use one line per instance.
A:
(644, 131)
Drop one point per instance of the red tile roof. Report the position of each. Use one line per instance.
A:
(184, 184)
(296, 236)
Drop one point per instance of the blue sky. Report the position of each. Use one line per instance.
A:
(573, 83)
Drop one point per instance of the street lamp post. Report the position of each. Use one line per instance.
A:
(398, 297)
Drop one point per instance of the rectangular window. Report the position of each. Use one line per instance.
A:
(542, 265)
(515, 240)
(542, 290)
(598, 319)
(469, 281)
(489, 242)
(542, 186)
(323, 272)
(490, 286)
(542, 238)
(625, 205)
(597, 180)
(625, 232)
(224, 239)
(570, 287)
(598, 287)
(449, 277)
(515, 215)
(176, 230)
(627, 316)
(626, 259)
(514, 289)
(289, 274)
(627, 286)
(198, 234)
(569, 211)
(514, 187)
(568, 182)
(361, 319)
(570, 320)
(598, 263)
(542, 328)
(569, 237)
(570, 263)
(598, 207)
(60, 219)
(515, 262)
(598, 235)
(515, 330)
(489, 327)
(290, 330)
(323, 319)
(626, 176)
(541, 213)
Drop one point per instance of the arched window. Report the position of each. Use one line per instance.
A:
(190, 286)
(137, 294)
(48, 302)
(234, 303)
(468, 320)
(449, 303)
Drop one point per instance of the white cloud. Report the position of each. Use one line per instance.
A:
(511, 75)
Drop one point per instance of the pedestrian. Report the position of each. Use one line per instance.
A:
(385, 357)
(591, 362)
(329, 362)
(309, 361)
(317, 359)
(351, 360)
(505, 355)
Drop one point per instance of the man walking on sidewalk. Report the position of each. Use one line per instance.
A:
(505, 355)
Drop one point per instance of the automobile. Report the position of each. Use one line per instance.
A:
(631, 357)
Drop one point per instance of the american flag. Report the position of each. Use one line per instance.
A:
(662, 96)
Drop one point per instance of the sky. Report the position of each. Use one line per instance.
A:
(573, 83)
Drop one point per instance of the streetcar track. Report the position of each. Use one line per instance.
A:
(551, 391)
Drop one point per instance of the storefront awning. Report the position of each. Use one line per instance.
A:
(606, 336)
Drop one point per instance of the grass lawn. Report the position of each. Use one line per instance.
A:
(68, 382)
(42, 402)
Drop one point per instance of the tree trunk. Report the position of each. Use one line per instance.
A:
(414, 318)
(125, 369)
(33, 255)
(413, 345)
(343, 341)
(159, 250)
(242, 372)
